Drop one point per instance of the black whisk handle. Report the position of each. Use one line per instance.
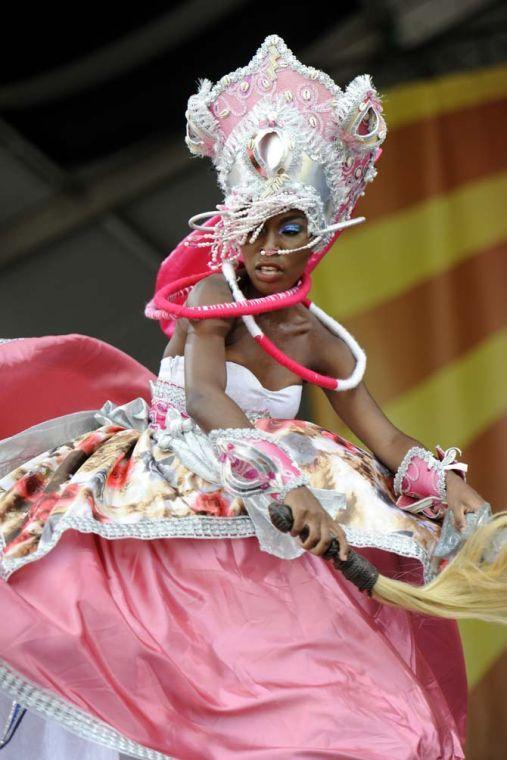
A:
(356, 568)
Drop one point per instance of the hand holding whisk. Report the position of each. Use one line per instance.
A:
(472, 585)
(355, 568)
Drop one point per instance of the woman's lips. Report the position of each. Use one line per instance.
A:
(265, 275)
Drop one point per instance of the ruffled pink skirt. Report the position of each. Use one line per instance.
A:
(209, 648)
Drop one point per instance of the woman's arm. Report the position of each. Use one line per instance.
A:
(208, 404)
(360, 412)
(356, 407)
(205, 368)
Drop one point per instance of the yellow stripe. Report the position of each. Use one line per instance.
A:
(406, 104)
(457, 403)
(483, 643)
(451, 408)
(371, 264)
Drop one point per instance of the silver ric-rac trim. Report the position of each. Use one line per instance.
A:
(204, 527)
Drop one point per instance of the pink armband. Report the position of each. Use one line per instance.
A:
(252, 462)
(419, 481)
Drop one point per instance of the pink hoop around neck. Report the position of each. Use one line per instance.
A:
(325, 381)
(165, 309)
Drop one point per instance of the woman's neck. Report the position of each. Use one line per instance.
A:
(250, 291)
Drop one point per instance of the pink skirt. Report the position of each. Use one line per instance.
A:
(207, 648)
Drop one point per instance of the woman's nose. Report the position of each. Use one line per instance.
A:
(270, 243)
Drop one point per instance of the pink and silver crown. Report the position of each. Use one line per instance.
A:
(283, 135)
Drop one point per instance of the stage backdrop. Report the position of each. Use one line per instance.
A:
(422, 285)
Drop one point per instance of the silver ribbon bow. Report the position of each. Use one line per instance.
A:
(133, 414)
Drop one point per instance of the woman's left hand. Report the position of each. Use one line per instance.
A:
(461, 498)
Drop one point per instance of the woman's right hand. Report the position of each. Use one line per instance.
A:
(307, 510)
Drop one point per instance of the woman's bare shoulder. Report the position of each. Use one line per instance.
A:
(210, 290)
(330, 353)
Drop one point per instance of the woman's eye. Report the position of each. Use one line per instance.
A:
(292, 229)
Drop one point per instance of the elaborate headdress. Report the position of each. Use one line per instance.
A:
(281, 135)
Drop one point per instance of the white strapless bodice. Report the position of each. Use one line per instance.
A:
(242, 386)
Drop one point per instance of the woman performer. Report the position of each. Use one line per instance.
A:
(216, 648)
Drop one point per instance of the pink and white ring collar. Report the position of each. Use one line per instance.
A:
(162, 307)
(166, 305)
(324, 381)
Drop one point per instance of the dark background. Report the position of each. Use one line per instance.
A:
(96, 182)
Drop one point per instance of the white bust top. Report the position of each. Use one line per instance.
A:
(243, 387)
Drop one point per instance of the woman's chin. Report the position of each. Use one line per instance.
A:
(269, 279)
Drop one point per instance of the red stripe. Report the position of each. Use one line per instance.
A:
(435, 156)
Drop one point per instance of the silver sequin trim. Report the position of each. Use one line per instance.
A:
(195, 526)
(211, 528)
(239, 433)
(37, 699)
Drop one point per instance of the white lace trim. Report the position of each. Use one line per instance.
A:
(236, 434)
(256, 61)
(79, 722)
(163, 390)
(204, 527)
(239, 433)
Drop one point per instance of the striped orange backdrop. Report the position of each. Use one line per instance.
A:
(422, 286)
